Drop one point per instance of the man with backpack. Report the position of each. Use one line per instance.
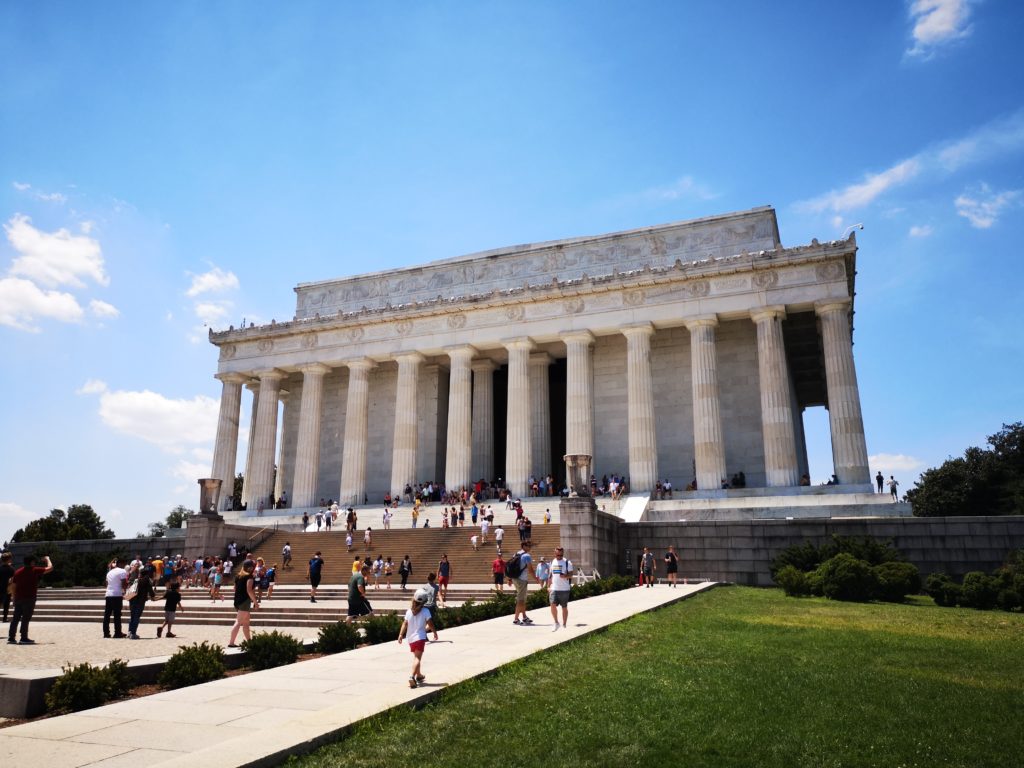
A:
(519, 570)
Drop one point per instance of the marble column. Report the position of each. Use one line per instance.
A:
(483, 419)
(459, 453)
(517, 427)
(357, 426)
(849, 449)
(540, 414)
(254, 387)
(781, 468)
(579, 393)
(708, 445)
(262, 467)
(284, 396)
(404, 453)
(643, 444)
(225, 449)
(307, 447)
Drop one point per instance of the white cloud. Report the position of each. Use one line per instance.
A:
(982, 207)
(924, 230)
(103, 309)
(12, 517)
(214, 281)
(683, 188)
(49, 197)
(53, 259)
(174, 425)
(22, 302)
(21, 186)
(87, 227)
(211, 312)
(891, 463)
(92, 387)
(996, 139)
(937, 22)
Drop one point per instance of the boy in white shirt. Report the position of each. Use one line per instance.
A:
(559, 585)
(418, 622)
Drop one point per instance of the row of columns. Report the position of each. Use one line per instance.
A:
(470, 429)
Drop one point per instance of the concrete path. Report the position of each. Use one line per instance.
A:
(260, 718)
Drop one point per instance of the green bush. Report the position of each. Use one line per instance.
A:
(337, 637)
(538, 599)
(1008, 599)
(383, 629)
(793, 581)
(871, 551)
(844, 577)
(943, 590)
(896, 580)
(84, 686)
(266, 650)
(192, 665)
(804, 557)
(979, 591)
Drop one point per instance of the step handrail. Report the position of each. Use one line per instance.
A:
(260, 536)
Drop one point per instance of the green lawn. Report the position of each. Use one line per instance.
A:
(734, 677)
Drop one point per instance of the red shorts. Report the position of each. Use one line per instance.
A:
(442, 580)
(417, 646)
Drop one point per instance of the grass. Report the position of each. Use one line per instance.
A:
(734, 677)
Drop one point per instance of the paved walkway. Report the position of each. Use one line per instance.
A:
(262, 717)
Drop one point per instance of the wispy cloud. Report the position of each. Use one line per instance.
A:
(214, 281)
(49, 197)
(92, 387)
(993, 140)
(103, 309)
(54, 258)
(683, 188)
(22, 302)
(923, 230)
(211, 310)
(982, 206)
(937, 23)
(891, 463)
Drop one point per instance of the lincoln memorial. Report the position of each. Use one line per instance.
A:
(685, 352)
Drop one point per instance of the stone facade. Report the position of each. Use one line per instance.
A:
(681, 351)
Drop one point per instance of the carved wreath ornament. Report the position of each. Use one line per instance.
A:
(354, 334)
(264, 345)
(573, 306)
(633, 298)
(404, 328)
(765, 280)
(309, 341)
(829, 271)
(228, 351)
(455, 322)
(515, 313)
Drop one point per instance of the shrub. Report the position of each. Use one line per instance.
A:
(1008, 599)
(382, 629)
(337, 637)
(193, 664)
(804, 557)
(121, 680)
(844, 577)
(943, 590)
(871, 551)
(267, 650)
(895, 580)
(538, 599)
(82, 686)
(978, 591)
(793, 581)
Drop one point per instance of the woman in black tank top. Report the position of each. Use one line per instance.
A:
(245, 601)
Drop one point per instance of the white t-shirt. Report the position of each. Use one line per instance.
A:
(417, 624)
(560, 570)
(227, 567)
(499, 534)
(115, 582)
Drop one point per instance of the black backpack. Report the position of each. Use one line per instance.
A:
(514, 566)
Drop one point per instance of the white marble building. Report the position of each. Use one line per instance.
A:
(682, 351)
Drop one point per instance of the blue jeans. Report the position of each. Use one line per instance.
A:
(135, 608)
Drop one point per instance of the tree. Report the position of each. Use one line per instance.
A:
(79, 522)
(175, 518)
(982, 482)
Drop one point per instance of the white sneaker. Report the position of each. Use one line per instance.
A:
(555, 628)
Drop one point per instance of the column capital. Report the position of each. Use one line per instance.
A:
(825, 306)
(461, 350)
(584, 336)
(773, 312)
(540, 358)
(253, 385)
(283, 394)
(637, 329)
(359, 364)
(483, 365)
(409, 357)
(523, 342)
(702, 321)
(270, 374)
(231, 378)
(314, 369)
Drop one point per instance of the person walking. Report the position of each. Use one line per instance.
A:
(358, 605)
(672, 566)
(405, 571)
(313, 573)
(560, 587)
(520, 579)
(6, 572)
(286, 556)
(647, 568)
(244, 601)
(498, 569)
(418, 621)
(117, 583)
(894, 488)
(444, 573)
(26, 586)
(137, 604)
(172, 600)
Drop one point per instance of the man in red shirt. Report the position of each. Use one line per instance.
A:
(498, 568)
(26, 584)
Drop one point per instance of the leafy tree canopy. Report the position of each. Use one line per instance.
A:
(984, 481)
(175, 518)
(80, 521)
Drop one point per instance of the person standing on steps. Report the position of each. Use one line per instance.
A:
(286, 556)
(498, 570)
(405, 571)
(893, 488)
(444, 573)
(879, 480)
(313, 574)
(358, 605)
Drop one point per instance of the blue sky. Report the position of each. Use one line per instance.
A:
(166, 166)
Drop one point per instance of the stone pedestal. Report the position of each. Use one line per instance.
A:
(209, 494)
(590, 537)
